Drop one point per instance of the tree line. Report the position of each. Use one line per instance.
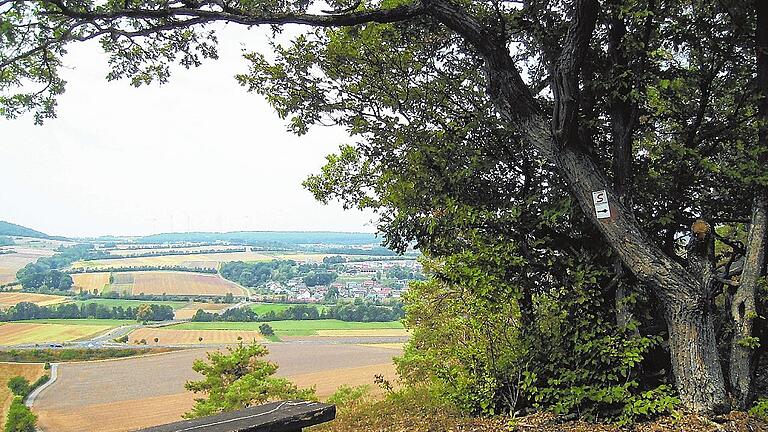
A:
(173, 252)
(259, 273)
(44, 275)
(353, 312)
(177, 268)
(143, 312)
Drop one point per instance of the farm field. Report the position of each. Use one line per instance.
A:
(30, 371)
(89, 281)
(35, 332)
(161, 282)
(170, 336)
(189, 309)
(306, 327)
(262, 308)
(12, 263)
(129, 394)
(126, 252)
(8, 299)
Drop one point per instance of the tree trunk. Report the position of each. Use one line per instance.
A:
(743, 311)
(695, 360)
(699, 376)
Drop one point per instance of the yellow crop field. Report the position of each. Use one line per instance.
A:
(8, 299)
(24, 333)
(30, 371)
(89, 281)
(167, 336)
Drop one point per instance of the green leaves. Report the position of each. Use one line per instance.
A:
(238, 379)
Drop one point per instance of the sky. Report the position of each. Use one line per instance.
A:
(197, 154)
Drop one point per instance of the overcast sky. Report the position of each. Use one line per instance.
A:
(198, 153)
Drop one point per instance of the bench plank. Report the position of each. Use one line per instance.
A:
(283, 416)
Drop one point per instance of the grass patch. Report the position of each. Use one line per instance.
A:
(74, 354)
(291, 327)
(111, 303)
(263, 308)
(80, 321)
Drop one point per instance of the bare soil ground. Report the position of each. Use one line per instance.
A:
(158, 283)
(8, 299)
(128, 394)
(30, 371)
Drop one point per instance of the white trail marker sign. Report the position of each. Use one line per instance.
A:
(602, 208)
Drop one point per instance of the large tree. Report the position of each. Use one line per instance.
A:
(661, 104)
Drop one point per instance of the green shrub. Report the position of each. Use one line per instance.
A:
(40, 381)
(266, 330)
(19, 386)
(47, 366)
(346, 395)
(20, 418)
(760, 410)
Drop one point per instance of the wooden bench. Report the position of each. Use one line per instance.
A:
(284, 416)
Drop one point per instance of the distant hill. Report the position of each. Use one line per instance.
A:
(266, 237)
(12, 229)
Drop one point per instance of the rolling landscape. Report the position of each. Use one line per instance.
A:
(168, 303)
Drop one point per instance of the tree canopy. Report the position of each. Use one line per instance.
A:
(481, 131)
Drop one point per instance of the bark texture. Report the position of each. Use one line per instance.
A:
(743, 349)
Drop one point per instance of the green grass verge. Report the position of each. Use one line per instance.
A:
(85, 322)
(263, 308)
(110, 303)
(291, 327)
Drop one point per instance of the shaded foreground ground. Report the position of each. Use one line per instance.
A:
(127, 394)
(416, 412)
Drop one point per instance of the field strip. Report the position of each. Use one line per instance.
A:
(32, 396)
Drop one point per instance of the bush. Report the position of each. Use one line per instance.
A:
(760, 410)
(47, 366)
(19, 386)
(266, 330)
(40, 381)
(346, 395)
(20, 418)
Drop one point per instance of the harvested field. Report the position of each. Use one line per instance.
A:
(8, 299)
(168, 336)
(172, 283)
(89, 281)
(327, 382)
(11, 263)
(122, 395)
(26, 333)
(30, 371)
(189, 310)
(127, 252)
(158, 283)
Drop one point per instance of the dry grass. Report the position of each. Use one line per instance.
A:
(192, 337)
(28, 333)
(30, 371)
(327, 382)
(8, 299)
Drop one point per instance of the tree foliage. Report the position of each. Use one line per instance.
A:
(237, 379)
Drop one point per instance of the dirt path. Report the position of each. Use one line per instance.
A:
(127, 394)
